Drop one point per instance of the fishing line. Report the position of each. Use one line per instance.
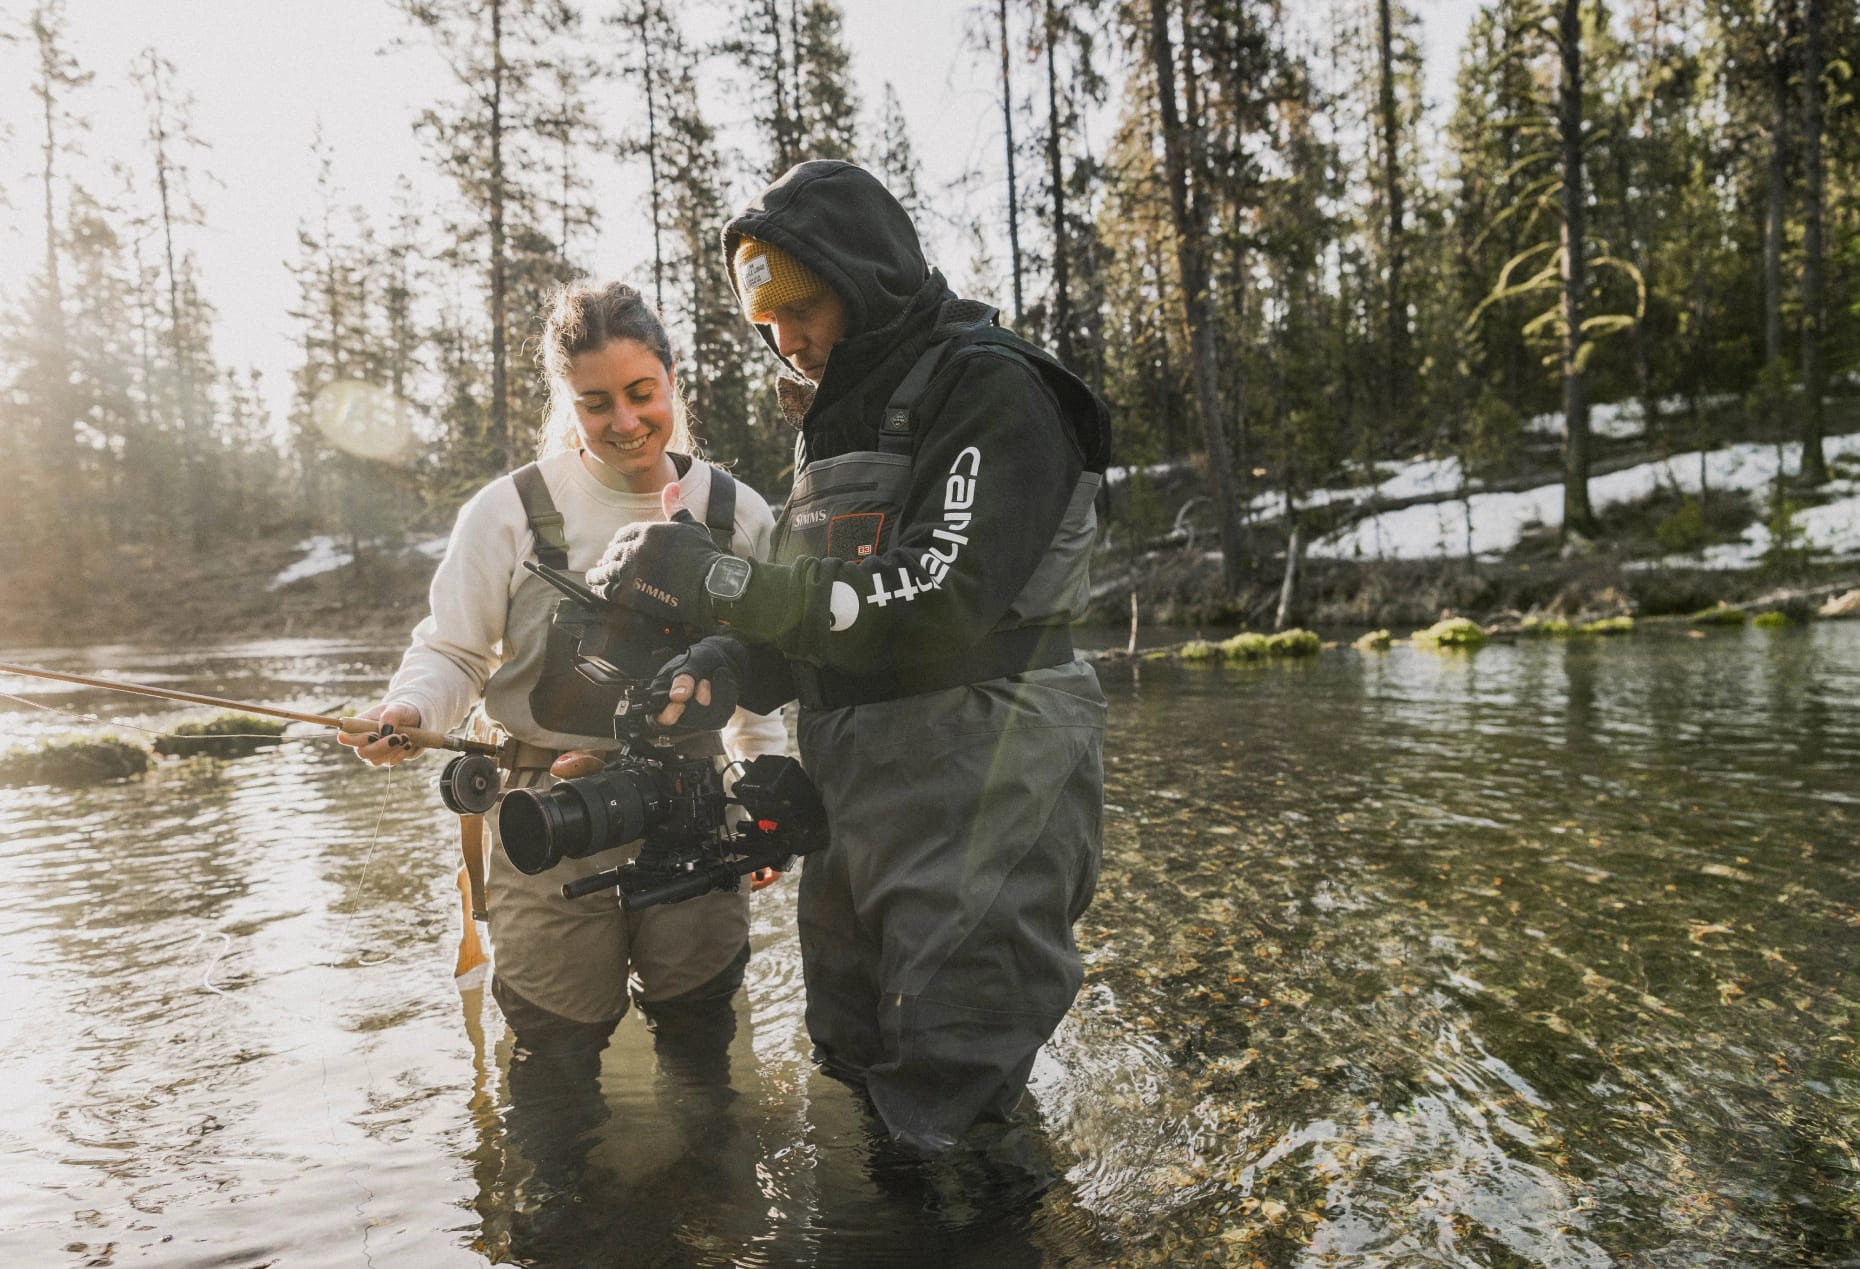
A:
(278, 737)
(361, 889)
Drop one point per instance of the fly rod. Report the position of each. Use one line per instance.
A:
(348, 726)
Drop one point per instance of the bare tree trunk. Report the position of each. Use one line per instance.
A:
(797, 124)
(184, 385)
(1397, 244)
(1062, 299)
(1814, 289)
(1578, 515)
(500, 283)
(1192, 260)
(1013, 190)
(1774, 208)
(646, 44)
(1294, 556)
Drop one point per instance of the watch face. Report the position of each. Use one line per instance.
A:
(728, 577)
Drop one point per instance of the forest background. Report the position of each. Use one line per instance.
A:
(1282, 260)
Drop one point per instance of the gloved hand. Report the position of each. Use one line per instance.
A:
(716, 662)
(657, 568)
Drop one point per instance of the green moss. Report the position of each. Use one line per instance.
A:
(1199, 650)
(227, 736)
(1454, 632)
(1607, 626)
(92, 760)
(1374, 641)
(1248, 645)
(1774, 619)
(1294, 643)
(1720, 614)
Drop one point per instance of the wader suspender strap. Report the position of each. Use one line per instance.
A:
(896, 426)
(551, 549)
(720, 516)
(545, 520)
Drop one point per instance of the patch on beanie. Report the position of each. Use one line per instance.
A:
(756, 273)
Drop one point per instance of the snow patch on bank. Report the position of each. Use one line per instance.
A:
(1625, 420)
(325, 554)
(1497, 521)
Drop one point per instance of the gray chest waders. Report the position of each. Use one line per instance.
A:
(965, 804)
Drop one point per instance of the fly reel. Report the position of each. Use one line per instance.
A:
(470, 784)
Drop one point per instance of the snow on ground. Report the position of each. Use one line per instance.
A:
(327, 554)
(1499, 520)
(1623, 420)
(321, 555)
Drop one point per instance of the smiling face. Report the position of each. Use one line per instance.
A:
(625, 407)
(806, 330)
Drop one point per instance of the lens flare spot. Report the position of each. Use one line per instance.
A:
(365, 420)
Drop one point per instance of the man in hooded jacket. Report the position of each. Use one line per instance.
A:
(925, 573)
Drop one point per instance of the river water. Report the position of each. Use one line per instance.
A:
(1543, 955)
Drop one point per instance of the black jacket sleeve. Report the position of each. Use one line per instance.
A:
(990, 481)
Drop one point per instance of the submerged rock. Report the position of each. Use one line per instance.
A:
(74, 762)
(228, 736)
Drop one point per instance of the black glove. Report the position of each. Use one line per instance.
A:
(657, 567)
(717, 658)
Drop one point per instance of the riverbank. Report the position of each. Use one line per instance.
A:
(239, 595)
(1680, 533)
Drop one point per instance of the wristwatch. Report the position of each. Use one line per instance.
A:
(727, 579)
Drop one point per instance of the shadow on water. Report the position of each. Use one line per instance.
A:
(1540, 956)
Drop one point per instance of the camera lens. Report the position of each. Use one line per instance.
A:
(573, 819)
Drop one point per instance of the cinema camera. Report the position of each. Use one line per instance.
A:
(693, 834)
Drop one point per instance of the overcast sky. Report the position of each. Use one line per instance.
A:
(265, 74)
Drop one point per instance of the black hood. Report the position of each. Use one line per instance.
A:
(838, 220)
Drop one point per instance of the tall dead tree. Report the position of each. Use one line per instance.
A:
(1395, 297)
(1578, 514)
(1062, 251)
(1814, 470)
(166, 130)
(1013, 186)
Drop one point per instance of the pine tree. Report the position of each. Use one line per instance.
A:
(763, 50)
(187, 322)
(828, 114)
(47, 528)
(1183, 141)
(895, 160)
(502, 53)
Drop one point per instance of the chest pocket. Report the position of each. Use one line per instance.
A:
(845, 507)
(565, 698)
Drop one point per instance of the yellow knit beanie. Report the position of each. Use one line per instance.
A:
(768, 277)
